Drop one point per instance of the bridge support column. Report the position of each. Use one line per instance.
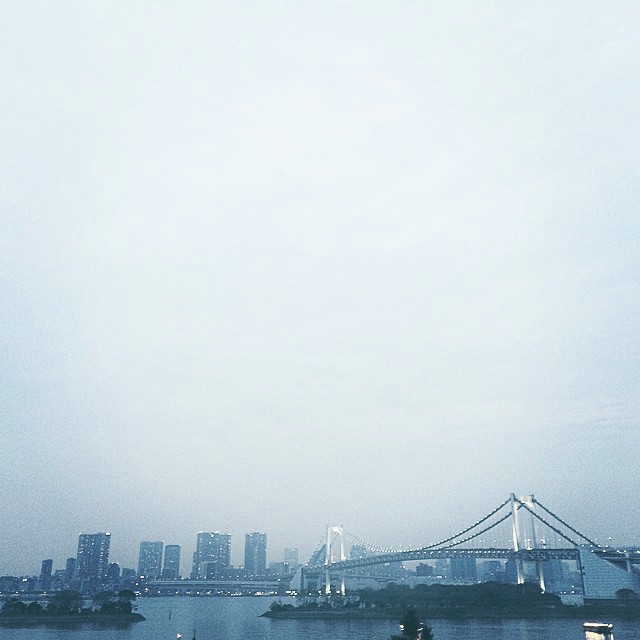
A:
(531, 503)
(327, 564)
(516, 538)
(339, 531)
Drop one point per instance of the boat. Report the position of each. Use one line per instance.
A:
(598, 630)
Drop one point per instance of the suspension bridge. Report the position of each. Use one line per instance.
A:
(535, 534)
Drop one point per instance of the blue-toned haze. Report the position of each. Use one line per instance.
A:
(266, 266)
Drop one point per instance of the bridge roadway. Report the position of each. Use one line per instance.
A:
(276, 585)
(527, 555)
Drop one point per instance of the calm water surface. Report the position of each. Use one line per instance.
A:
(237, 619)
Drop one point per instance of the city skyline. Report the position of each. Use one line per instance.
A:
(159, 560)
(268, 267)
(252, 546)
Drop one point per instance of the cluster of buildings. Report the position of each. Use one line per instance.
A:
(212, 559)
(90, 571)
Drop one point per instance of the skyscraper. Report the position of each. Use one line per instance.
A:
(255, 554)
(92, 559)
(45, 574)
(70, 570)
(291, 558)
(464, 568)
(171, 568)
(113, 571)
(150, 559)
(212, 557)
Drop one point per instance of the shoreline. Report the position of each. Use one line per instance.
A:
(471, 614)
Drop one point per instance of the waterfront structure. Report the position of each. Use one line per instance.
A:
(277, 569)
(291, 558)
(150, 559)
(212, 557)
(171, 567)
(92, 560)
(255, 554)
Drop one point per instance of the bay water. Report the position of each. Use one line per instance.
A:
(238, 618)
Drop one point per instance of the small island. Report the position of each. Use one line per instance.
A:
(68, 607)
(486, 600)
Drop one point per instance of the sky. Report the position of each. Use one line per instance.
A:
(269, 266)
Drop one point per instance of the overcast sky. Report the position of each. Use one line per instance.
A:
(273, 265)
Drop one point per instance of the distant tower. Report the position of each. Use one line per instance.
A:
(113, 571)
(45, 574)
(291, 558)
(464, 568)
(70, 570)
(150, 559)
(255, 554)
(212, 557)
(171, 568)
(92, 560)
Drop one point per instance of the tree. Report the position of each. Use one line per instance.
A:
(34, 609)
(126, 598)
(65, 602)
(104, 601)
(14, 607)
(411, 628)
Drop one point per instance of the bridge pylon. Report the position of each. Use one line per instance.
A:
(525, 538)
(515, 522)
(331, 540)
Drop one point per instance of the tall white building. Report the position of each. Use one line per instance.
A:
(150, 559)
(212, 557)
(255, 554)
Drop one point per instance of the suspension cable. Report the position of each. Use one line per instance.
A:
(560, 533)
(591, 542)
(475, 535)
(368, 545)
(445, 540)
(473, 526)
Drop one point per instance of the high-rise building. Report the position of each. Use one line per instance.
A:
(113, 571)
(92, 559)
(511, 571)
(45, 574)
(291, 558)
(212, 557)
(70, 570)
(171, 568)
(442, 568)
(150, 559)
(255, 554)
(464, 568)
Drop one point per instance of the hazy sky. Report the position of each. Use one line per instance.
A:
(272, 265)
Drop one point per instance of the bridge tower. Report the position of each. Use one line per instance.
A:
(331, 540)
(528, 541)
(516, 537)
(531, 504)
